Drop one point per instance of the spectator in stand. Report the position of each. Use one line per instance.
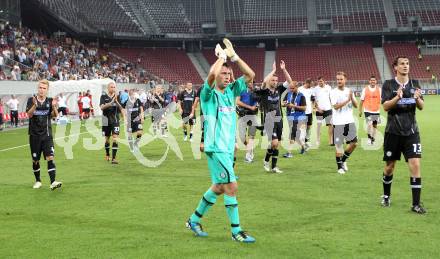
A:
(13, 109)
(16, 73)
(2, 62)
(72, 62)
(2, 75)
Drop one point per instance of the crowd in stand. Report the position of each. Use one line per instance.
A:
(29, 55)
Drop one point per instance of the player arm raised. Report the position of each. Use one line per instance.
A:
(286, 73)
(248, 73)
(269, 76)
(215, 69)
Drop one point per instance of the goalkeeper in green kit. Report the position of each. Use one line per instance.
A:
(217, 99)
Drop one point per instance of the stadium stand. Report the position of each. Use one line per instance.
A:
(253, 56)
(83, 14)
(352, 15)
(313, 61)
(426, 10)
(242, 17)
(187, 16)
(262, 17)
(418, 66)
(39, 57)
(170, 64)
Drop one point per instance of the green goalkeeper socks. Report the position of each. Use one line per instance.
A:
(205, 203)
(231, 205)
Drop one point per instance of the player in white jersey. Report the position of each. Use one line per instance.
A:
(86, 105)
(344, 128)
(323, 109)
(307, 91)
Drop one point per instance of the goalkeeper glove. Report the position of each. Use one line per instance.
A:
(220, 53)
(230, 50)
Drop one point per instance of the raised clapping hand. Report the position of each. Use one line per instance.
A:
(417, 94)
(220, 52)
(282, 65)
(400, 92)
(54, 103)
(230, 52)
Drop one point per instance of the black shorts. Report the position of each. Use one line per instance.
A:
(86, 110)
(62, 109)
(40, 144)
(345, 132)
(277, 131)
(134, 126)
(110, 130)
(394, 145)
(372, 117)
(187, 120)
(1, 118)
(327, 115)
(295, 129)
(309, 119)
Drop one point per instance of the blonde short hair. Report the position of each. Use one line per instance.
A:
(44, 82)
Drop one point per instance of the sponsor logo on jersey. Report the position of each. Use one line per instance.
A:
(226, 109)
(273, 98)
(41, 112)
(407, 101)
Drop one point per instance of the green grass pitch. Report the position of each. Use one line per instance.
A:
(133, 211)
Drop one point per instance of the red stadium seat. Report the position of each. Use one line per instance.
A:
(162, 62)
(313, 61)
(418, 67)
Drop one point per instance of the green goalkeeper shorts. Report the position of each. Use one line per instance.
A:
(221, 167)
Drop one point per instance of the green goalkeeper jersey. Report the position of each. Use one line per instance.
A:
(219, 115)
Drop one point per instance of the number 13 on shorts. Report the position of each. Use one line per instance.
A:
(417, 148)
